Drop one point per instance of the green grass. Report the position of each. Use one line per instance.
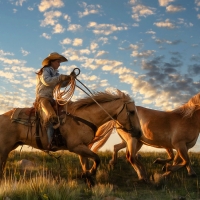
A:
(60, 179)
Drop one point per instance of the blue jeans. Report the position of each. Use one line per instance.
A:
(50, 132)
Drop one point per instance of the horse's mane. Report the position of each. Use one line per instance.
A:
(100, 97)
(188, 109)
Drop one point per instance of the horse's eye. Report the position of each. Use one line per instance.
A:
(132, 112)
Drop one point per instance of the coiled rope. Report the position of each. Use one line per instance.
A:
(63, 96)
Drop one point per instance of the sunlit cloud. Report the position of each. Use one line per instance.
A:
(94, 46)
(101, 53)
(7, 75)
(24, 52)
(164, 2)
(67, 17)
(58, 28)
(46, 36)
(46, 4)
(141, 11)
(12, 61)
(105, 29)
(88, 9)
(30, 8)
(165, 24)
(51, 18)
(20, 2)
(66, 41)
(2, 53)
(172, 8)
(77, 42)
(74, 27)
(145, 53)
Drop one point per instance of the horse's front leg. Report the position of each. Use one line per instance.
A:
(133, 146)
(84, 153)
(117, 147)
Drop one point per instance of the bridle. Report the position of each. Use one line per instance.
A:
(132, 130)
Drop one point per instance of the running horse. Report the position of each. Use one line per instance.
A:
(82, 119)
(173, 130)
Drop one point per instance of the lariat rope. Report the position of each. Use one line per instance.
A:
(63, 97)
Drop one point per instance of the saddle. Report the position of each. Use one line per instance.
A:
(30, 117)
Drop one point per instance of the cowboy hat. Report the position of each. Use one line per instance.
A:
(53, 56)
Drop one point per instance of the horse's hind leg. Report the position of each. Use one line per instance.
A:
(189, 168)
(85, 153)
(117, 147)
(161, 161)
(184, 160)
(3, 159)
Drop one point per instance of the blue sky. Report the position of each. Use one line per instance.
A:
(148, 49)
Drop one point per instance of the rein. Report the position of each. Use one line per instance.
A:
(78, 119)
(90, 95)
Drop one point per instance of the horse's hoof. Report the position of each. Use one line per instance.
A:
(192, 175)
(90, 182)
(164, 168)
(166, 174)
(156, 161)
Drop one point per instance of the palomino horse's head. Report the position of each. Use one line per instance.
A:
(128, 117)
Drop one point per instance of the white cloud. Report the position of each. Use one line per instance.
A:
(20, 2)
(58, 28)
(7, 75)
(89, 9)
(2, 53)
(94, 46)
(30, 8)
(50, 18)
(165, 24)
(74, 27)
(46, 4)
(141, 11)
(77, 42)
(198, 16)
(106, 29)
(101, 53)
(24, 52)
(172, 8)
(197, 2)
(12, 61)
(66, 41)
(146, 53)
(47, 36)
(67, 17)
(164, 2)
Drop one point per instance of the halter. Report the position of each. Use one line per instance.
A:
(132, 129)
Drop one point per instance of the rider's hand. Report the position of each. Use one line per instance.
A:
(73, 74)
(63, 77)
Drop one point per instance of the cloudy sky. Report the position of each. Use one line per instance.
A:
(148, 49)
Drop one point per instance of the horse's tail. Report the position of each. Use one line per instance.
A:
(102, 135)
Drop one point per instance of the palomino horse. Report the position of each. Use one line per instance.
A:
(83, 117)
(177, 129)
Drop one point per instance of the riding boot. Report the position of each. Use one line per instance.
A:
(50, 131)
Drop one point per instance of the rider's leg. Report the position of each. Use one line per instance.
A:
(49, 112)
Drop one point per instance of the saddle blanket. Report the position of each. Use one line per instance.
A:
(25, 116)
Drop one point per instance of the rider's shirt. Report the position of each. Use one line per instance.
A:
(46, 82)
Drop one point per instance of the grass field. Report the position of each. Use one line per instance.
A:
(60, 179)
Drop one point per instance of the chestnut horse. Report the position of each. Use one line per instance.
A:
(177, 129)
(82, 119)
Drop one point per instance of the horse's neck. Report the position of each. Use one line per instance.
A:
(99, 115)
(105, 112)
